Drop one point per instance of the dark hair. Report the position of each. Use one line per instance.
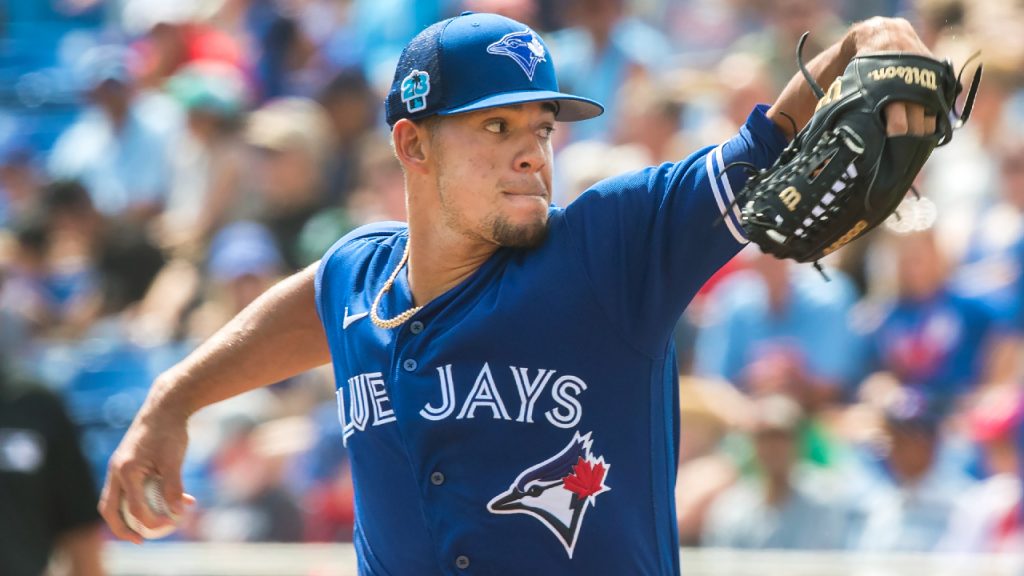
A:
(67, 196)
(128, 264)
(32, 233)
(349, 82)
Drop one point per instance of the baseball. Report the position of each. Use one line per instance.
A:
(153, 489)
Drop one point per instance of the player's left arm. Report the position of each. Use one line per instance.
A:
(798, 101)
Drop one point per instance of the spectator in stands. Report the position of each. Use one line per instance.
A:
(651, 117)
(119, 153)
(707, 412)
(379, 192)
(993, 268)
(780, 328)
(930, 338)
(905, 498)
(328, 495)
(95, 269)
(173, 35)
(251, 503)
(587, 162)
(47, 496)
(285, 50)
(963, 178)
(351, 106)
(24, 298)
(603, 50)
(20, 180)
(292, 138)
(784, 22)
(381, 30)
(990, 520)
(935, 17)
(71, 267)
(244, 259)
(743, 80)
(777, 508)
(208, 165)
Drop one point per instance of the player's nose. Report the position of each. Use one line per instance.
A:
(532, 154)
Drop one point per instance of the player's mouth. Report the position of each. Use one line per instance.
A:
(530, 202)
(526, 194)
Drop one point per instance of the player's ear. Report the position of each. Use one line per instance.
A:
(412, 144)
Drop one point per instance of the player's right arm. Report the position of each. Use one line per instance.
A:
(277, 336)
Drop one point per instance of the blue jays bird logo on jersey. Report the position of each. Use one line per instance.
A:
(523, 47)
(558, 491)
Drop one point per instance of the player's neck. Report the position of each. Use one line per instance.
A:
(439, 262)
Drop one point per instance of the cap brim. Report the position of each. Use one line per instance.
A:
(570, 108)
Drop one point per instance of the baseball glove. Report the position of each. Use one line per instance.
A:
(842, 175)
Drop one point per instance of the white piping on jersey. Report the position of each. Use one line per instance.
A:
(730, 197)
(725, 200)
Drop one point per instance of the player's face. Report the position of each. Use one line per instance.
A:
(493, 172)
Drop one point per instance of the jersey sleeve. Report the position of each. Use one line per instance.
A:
(650, 239)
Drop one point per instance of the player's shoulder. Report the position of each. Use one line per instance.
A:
(368, 236)
(351, 256)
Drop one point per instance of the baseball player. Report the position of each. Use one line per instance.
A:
(505, 370)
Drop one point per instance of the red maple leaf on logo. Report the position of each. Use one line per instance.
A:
(586, 479)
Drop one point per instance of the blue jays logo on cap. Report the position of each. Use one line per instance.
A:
(453, 61)
(415, 88)
(523, 47)
(558, 491)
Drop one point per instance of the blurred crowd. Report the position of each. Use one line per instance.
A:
(163, 163)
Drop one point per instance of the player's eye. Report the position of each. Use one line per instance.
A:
(545, 132)
(496, 127)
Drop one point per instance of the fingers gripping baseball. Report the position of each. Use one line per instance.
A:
(148, 451)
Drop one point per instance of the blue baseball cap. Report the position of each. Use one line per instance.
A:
(475, 61)
(243, 248)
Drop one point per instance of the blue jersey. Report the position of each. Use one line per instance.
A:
(812, 327)
(938, 344)
(525, 420)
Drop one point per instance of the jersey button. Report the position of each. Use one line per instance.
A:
(416, 327)
(462, 562)
(437, 478)
(409, 365)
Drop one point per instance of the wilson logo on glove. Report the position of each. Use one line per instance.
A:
(909, 74)
(790, 197)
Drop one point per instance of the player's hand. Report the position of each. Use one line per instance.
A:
(908, 118)
(896, 35)
(153, 446)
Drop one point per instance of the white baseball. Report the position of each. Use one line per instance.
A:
(153, 490)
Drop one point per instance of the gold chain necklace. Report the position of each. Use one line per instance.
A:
(401, 318)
